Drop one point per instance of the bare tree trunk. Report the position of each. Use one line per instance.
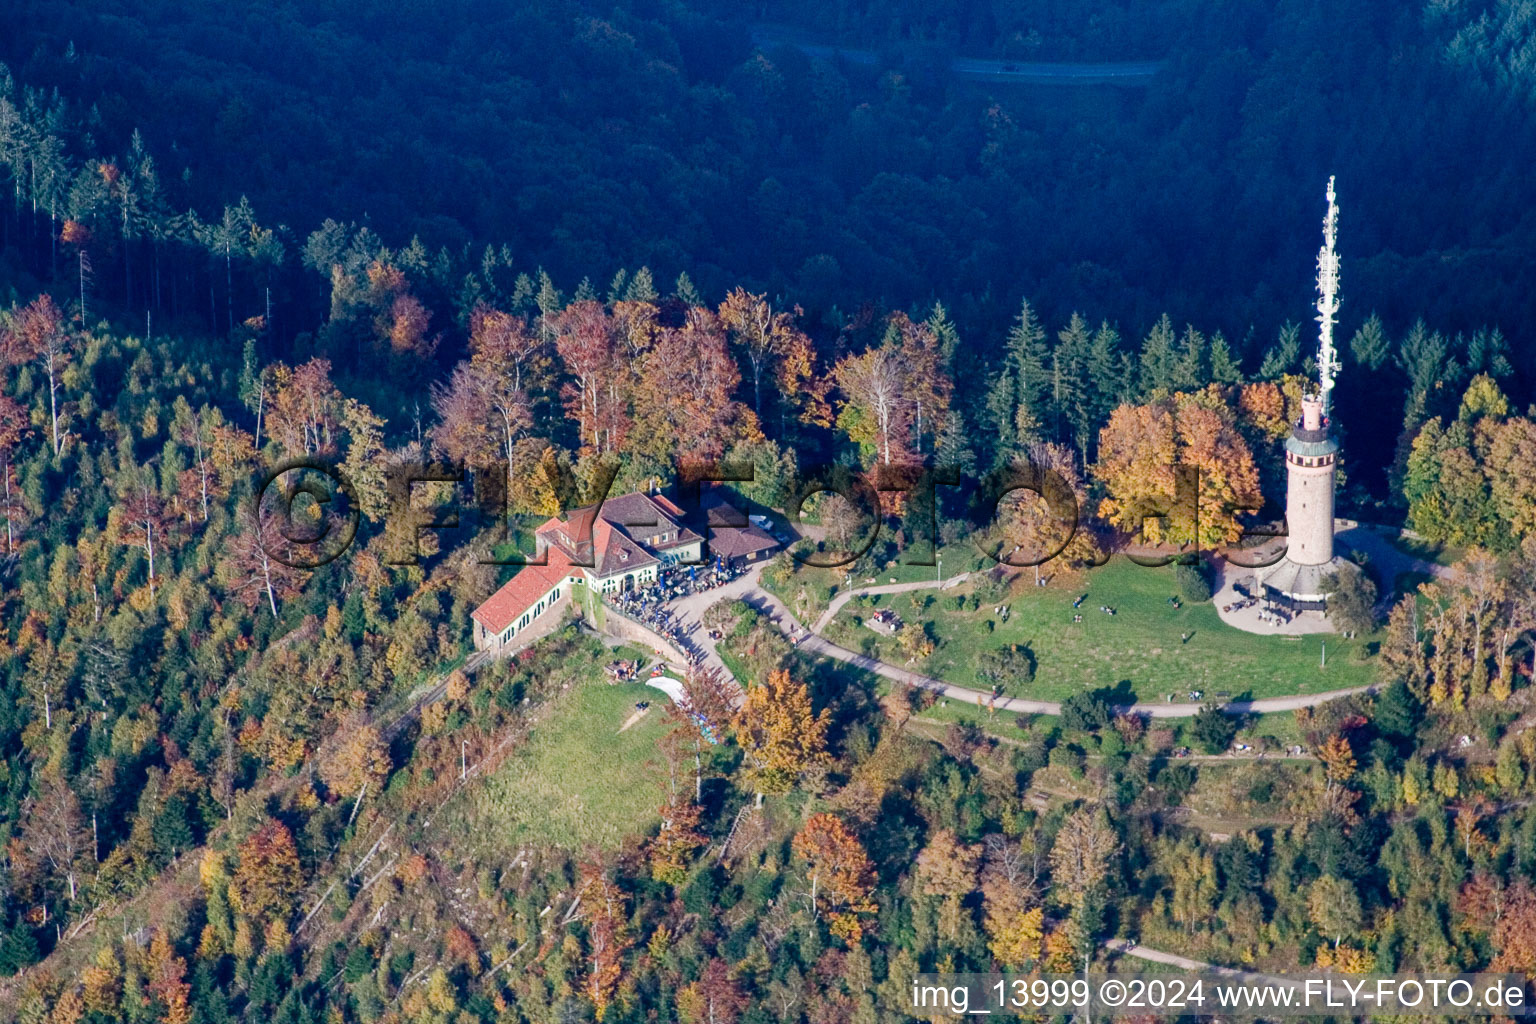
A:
(261, 402)
(10, 536)
(266, 573)
(149, 549)
(53, 403)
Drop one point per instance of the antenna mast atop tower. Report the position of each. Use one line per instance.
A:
(1328, 301)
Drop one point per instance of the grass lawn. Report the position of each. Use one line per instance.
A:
(809, 589)
(578, 781)
(1137, 651)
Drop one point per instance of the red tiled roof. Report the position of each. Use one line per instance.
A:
(616, 552)
(666, 505)
(522, 592)
(613, 550)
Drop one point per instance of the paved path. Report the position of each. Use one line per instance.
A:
(781, 616)
(690, 612)
(1353, 537)
(1157, 956)
(1387, 561)
(843, 597)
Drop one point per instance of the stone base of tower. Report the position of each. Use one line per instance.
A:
(1295, 588)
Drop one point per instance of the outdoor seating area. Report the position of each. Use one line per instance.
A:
(622, 671)
(885, 621)
(649, 605)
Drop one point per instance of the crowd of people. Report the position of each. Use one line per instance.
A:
(649, 606)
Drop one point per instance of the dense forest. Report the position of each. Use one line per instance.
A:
(588, 138)
(546, 242)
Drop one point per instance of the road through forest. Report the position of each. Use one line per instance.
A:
(986, 69)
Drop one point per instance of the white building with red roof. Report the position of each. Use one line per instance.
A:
(618, 545)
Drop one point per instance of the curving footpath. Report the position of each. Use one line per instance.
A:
(844, 596)
(747, 589)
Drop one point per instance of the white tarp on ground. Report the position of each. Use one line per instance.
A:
(673, 688)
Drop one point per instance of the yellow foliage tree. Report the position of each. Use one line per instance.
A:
(783, 737)
(675, 843)
(360, 758)
(269, 875)
(1015, 935)
(946, 868)
(1345, 960)
(1144, 450)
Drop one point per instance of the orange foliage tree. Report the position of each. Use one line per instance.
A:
(841, 875)
(608, 936)
(268, 877)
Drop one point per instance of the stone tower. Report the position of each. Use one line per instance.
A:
(1310, 453)
(1296, 582)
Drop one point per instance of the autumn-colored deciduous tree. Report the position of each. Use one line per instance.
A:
(715, 998)
(1334, 907)
(1514, 934)
(69, 1009)
(597, 396)
(782, 736)
(359, 758)
(13, 427)
(257, 564)
(268, 876)
(459, 947)
(840, 872)
(305, 411)
(874, 411)
(1014, 934)
(1345, 960)
(947, 869)
(1012, 914)
(38, 333)
(54, 844)
(144, 520)
(167, 972)
(676, 841)
(608, 936)
(774, 349)
(1043, 515)
(485, 408)
(1338, 759)
(1080, 859)
(101, 982)
(1146, 449)
(894, 394)
(682, 393)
